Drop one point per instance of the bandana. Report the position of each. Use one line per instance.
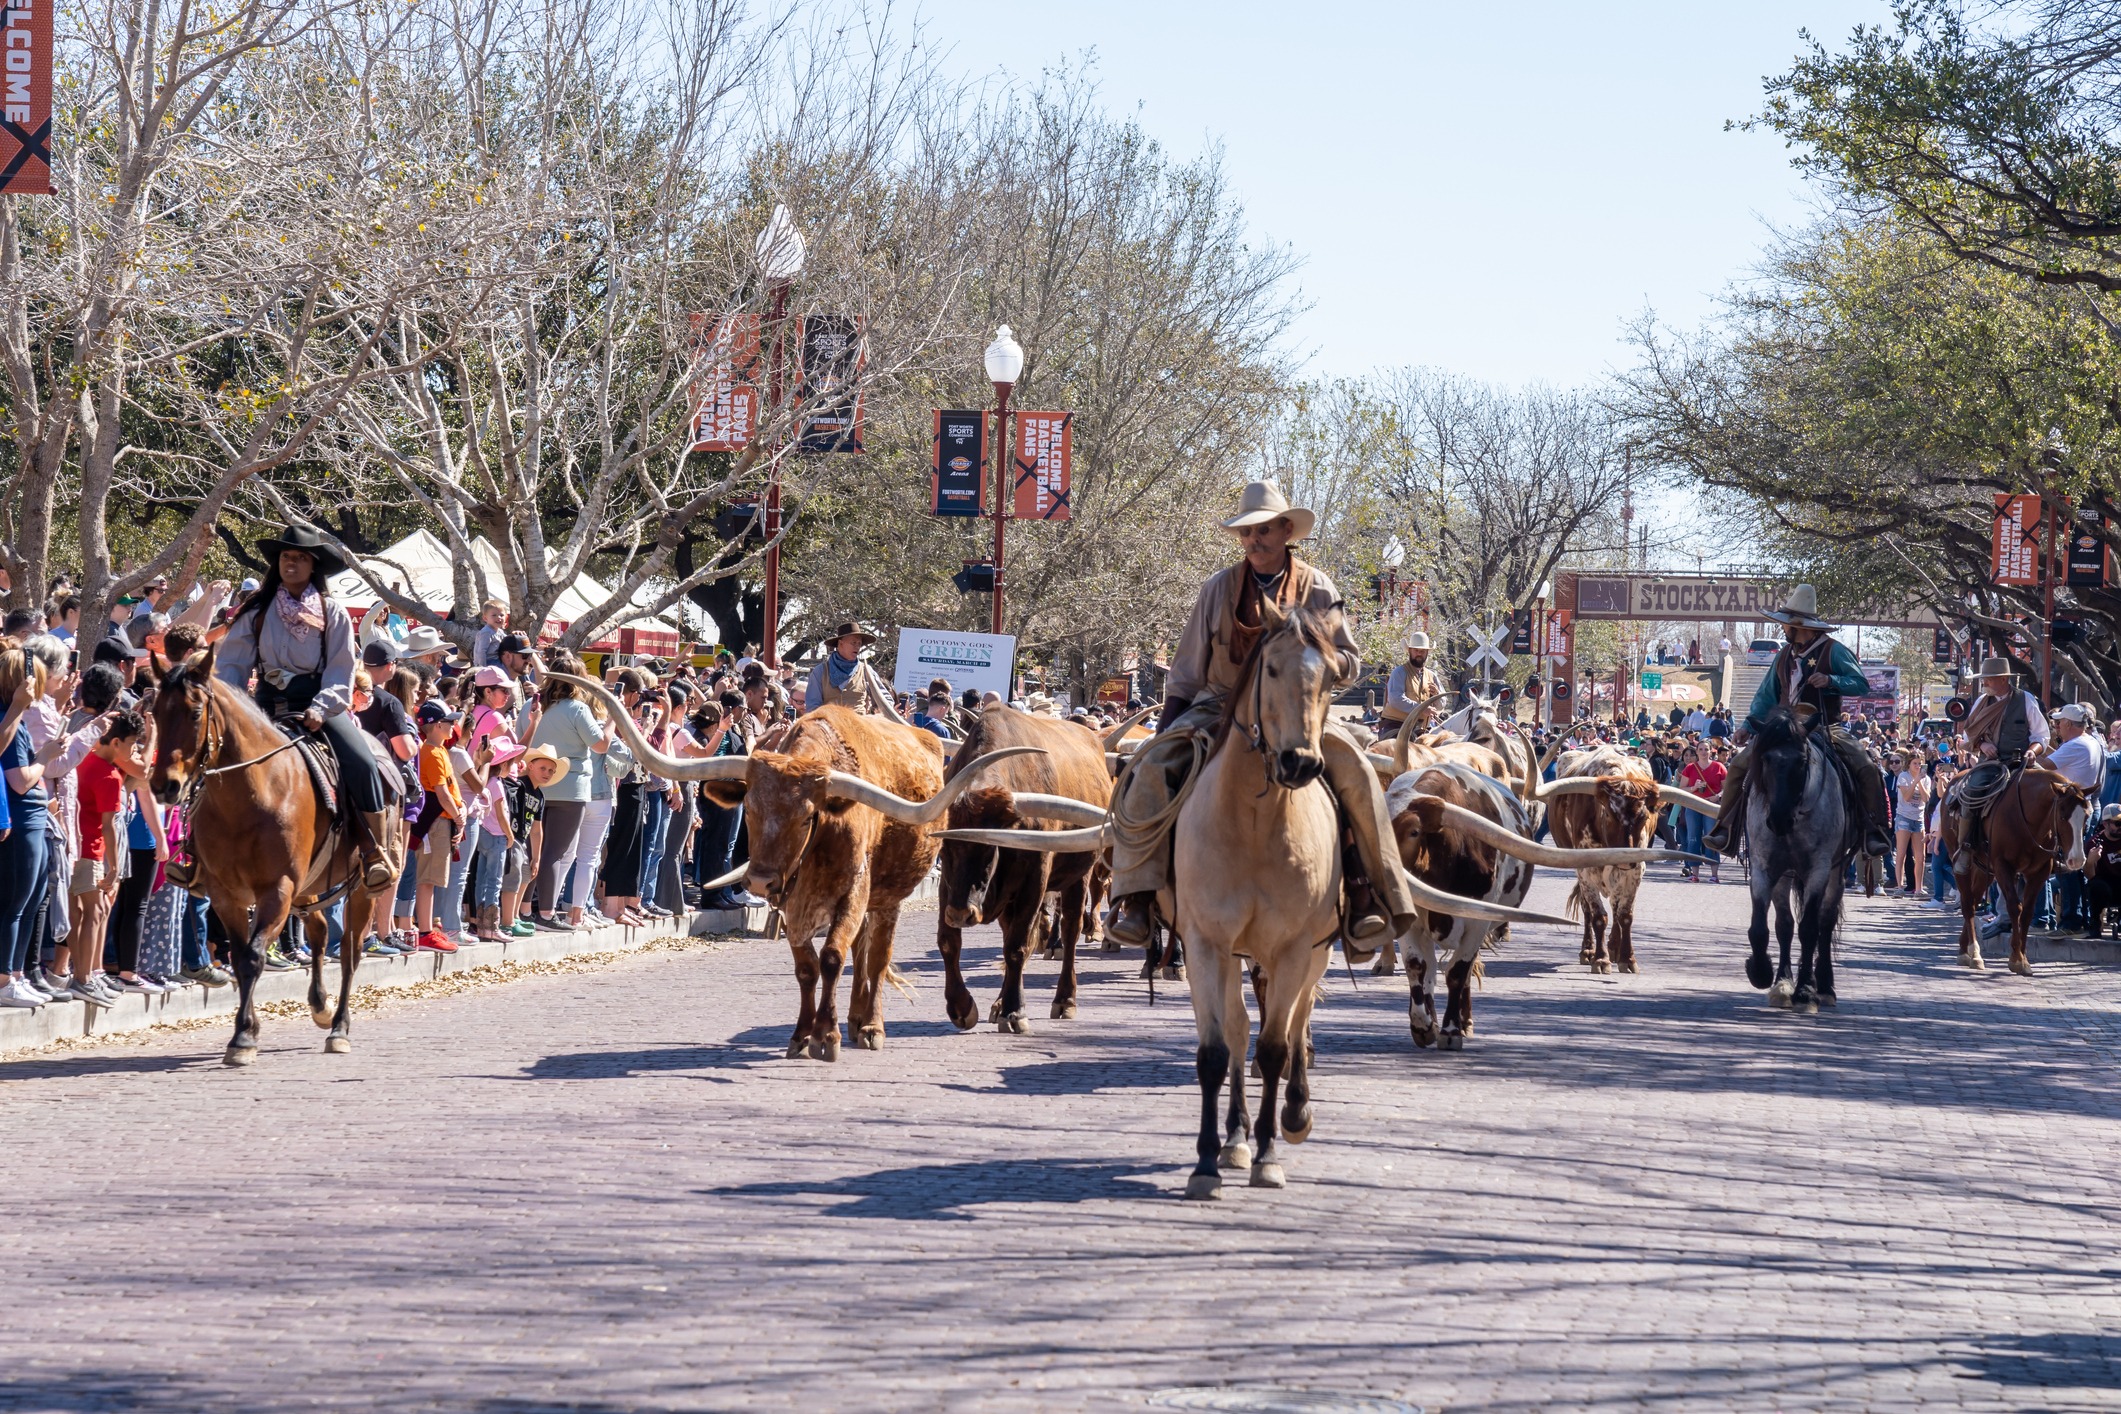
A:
(302, 618)
(840, 676)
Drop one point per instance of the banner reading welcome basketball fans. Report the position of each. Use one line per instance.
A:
(26, 102)
(1045, 447)
(725, 405)
(2015, 552)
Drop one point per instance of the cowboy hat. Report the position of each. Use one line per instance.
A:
(1995, 668)
(850, 628)
(1417, 641)
(306, 539)
(555, 766)
(1800, 609)
(1263, 502)
(421, 640)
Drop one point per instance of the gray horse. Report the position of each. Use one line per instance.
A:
(1800, 825)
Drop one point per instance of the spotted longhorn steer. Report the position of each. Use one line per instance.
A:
(1603, 797)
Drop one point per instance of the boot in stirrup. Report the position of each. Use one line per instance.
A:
(370, 830)
(1130, 919)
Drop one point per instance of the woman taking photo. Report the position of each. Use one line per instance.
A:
(1910, 785)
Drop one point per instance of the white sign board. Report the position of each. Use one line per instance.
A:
(986, 661)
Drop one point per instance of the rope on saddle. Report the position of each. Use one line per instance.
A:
(1143, 833)
(1972, 800)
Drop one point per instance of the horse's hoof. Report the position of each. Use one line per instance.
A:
(337, 1045)
(825, 1048)
(1236, 1154)
(1268, 1175)
(1204, 1187)
(1176, 972)
(1779, 995)
(1148, 971)
(1629, 966)
(964, 1018)
(796, 1046)
(870, 1038)
(1296, 1123)
(1584, 957)
(1063, 1011)
(323, 1019)
(1013, 1024)
(239, 1055)
(1454, 1041)
(1601, 968)
(1759, 971)
(994, 1013)
(1805, 1004)
(2021, 966)
(1827, 999)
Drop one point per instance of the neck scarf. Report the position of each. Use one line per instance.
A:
(841, 670)
(302, 618)
(1247, 622)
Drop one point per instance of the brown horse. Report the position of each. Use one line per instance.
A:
(2039, 815)
(262, 842)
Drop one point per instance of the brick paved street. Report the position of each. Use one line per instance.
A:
(607, 1191)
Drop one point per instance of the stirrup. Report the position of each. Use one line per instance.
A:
(1131, 919)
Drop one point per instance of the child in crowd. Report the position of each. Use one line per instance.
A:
(100, 792)
(440, 826)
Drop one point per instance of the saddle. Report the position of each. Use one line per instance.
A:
(317, 757)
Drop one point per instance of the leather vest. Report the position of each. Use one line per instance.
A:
(2013, 732)
(1815, 658)
(852, 695)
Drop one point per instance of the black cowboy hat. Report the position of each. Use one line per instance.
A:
(309, 542)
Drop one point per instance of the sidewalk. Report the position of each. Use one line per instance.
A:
(26, 1030)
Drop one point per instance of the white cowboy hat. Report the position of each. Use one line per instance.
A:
(1801, 609)
(1417, 639)
(1264, 502)
(420, 639)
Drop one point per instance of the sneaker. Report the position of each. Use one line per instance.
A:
(136, 983)
(521, 928)
(278, 961)
(301, 955)
(36, 983)
(436, 942)
(655, 912)
(167, 984)
(19, 993)
(89, 992)
(552, 925)
(376, 947)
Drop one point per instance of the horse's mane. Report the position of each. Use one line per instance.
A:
(1779, 730)
(1308, 624)
(237, 702)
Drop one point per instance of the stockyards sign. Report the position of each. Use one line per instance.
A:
(1731, 599)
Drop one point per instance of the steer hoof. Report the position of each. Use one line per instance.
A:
(1203, 1187)
(1601, 966)
(1759, 971)
(1013, 1024)
(1268, 1175)
(1236, 1154)
(1063, 1011)
(1384, 966)
(1453, 1041)
(1108, 945)
(1296, 1122)
(337, 1045)
(1629, 966)
(825, 1048)
(870, 1038)
(240, 1055)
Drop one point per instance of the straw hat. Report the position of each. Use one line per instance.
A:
(544, 765)
(1800, 609)
(1263, 502)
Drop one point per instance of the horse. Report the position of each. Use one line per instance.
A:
(1803, 832)
(2024, 828)
(263, 843)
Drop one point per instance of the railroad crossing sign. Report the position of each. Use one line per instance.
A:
(1489, 649)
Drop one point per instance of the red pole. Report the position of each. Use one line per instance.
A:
(1001, 489)
(770, 651)
(2047, 577)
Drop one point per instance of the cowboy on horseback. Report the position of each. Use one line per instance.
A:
(1226, 624)
(1811, 675)
(299, 641)
(1411, 691)
(2004, 725)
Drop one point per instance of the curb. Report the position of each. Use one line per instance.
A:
(25, 1030)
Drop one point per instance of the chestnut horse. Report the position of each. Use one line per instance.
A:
(2038, 817)
(262, 842)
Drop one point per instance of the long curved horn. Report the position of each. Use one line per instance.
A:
(1406, 732)
(1675, 795)
(1510, 842)
(1437, 901)
(1039, 841)
(729, 880)
(705, 768)
(1567, 785)
(880, 699)
(1064, 808)
(1118, 733)
(917, 812)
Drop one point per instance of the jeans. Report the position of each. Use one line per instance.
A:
(1692, 826)
(1940, 872)
(563, 827)
(655, 819)
(449, 899)
(493, 862)
(2110, 792)
(2069, 897)
(588, 853)
(408, 884)
(196, 953)
(24, 866)
(716, 855)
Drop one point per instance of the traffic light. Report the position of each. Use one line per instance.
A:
(974, 578)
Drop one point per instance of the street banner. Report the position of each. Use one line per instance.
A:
(960, 463)
(725, 401)
(831, 384)
(2015, 546)
(985, 661)
(26, 115)
(1560, 642)
(1942, 649)
(1045, 446)
(2088, 556)
(1520, 633)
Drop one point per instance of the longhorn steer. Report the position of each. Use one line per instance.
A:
(982, 883)
(842, 824)
(1603, 797)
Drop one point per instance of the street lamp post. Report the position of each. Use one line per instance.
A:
(1005, 360)
(780, 256)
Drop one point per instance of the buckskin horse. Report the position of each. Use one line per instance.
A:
(1803, 831)
(1257, 871)
(2037, 814)
(263, 842)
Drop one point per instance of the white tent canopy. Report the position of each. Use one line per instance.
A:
(422, 566)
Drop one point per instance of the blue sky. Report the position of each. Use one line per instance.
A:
(1490, 189)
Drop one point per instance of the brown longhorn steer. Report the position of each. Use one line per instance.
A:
(842, 823)
(983, 884)
(1603, 798)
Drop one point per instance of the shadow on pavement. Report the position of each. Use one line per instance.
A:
(2057, 1360)
(942, 1192)
(68, 1067)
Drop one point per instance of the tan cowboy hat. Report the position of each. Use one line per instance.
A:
(1264, 502)
(544, 766)
(1417, 640)
(1996, 668)
(1800, 609)
(421, 640)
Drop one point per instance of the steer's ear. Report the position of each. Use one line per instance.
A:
(727, 794)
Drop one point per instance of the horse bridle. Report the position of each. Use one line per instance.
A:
(210, 751)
